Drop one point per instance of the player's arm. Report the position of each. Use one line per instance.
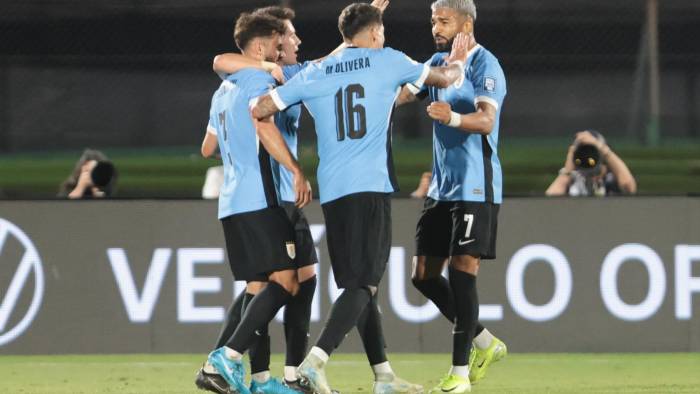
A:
(445, 76)
(563, 180)
(265, 107)
(229, 63)
(209, 143)
(407, 95)
(480, 122)
(274, 143)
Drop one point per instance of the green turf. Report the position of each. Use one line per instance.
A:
(518, 373)
(529, 166)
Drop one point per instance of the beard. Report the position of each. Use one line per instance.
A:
(444, 47)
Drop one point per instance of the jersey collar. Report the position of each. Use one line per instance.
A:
(473, 51)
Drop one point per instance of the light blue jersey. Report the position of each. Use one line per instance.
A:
(351, 96)
(248, 182)
(287, 122)
(466, 165)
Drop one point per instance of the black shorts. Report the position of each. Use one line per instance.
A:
(259, 243)
(454, 228)
(358, 232)
(306, 250)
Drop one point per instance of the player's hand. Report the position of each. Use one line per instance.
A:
(277, 74)
(459, 49)
(440, 111)
(302, 189)
(381, 4)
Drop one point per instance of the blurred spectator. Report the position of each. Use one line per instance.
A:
(94, 176)
(423, 186)
(592, 169)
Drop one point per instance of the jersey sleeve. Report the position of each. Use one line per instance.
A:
(421, 92)
(302, 86)
(258, 85)
(291, 70)
(489, 83)
(403, 69)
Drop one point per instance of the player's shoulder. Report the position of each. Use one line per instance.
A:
(483, 58)
(252, 78)
(393, 54)
(437, 59)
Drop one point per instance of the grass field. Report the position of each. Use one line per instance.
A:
(529, 166)
(518, 373)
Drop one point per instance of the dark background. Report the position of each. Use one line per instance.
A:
(132, 73)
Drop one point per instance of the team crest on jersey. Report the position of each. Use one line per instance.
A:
(490, 84)
(291, 249)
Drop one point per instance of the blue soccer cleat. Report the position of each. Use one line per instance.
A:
(233, 371)
(272, 386)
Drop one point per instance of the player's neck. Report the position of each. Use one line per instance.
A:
(253, 56)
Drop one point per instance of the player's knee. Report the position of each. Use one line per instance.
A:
(466, 263)
(372, 290)
(255, 287)
(287, 279)
(306, 273)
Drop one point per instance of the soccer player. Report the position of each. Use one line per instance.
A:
(369, 323)
(298, 311)
(459, 219)
(351, 96)
(259, 236)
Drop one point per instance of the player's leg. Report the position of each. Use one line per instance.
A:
(369, 326)
(297, 313)
(487, 348)
(207, 377)
(263, 243)
(427, 278)
(433, 235)
(358, 231)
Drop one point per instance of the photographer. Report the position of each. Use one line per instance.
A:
(592, 169)
(93, 176)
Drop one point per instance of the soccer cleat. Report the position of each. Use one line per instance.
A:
(454, 384)
(390, 384)
(294, 384)
(479, 360)
(272, 386)
(211, 382)
(311, 375)
(231, 370)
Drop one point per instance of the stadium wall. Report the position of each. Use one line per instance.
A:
(572, 275)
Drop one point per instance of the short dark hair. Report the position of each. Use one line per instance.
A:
(251, 26)
(357, 17)
(284, 13)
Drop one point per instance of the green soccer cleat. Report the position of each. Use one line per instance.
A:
(479, 360)
(391, 384)
(312, 375)
(453, 384)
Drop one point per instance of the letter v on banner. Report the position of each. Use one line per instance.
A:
(139, 308)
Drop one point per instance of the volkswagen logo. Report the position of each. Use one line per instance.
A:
(29, 263)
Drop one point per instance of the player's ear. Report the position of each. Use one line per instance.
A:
(468, 26)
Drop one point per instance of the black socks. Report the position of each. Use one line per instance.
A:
(232, 320)
(438, 291)
(467, 314)
(369, 325)
(296, 322)
(344, 315)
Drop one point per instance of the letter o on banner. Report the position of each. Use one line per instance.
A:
(562, 282)
(608, 282)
